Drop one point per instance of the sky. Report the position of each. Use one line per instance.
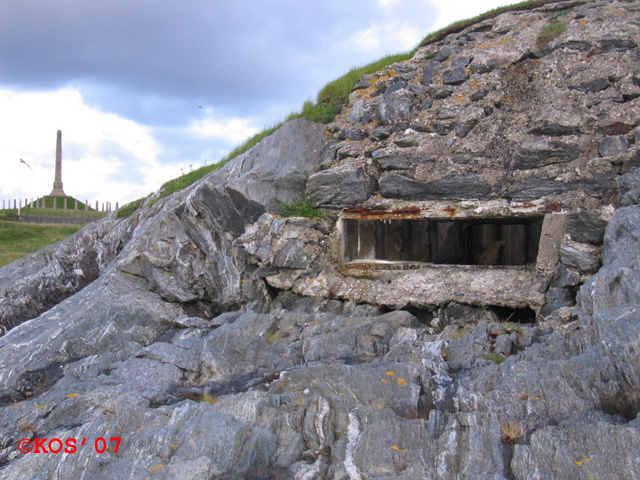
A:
(146, 90)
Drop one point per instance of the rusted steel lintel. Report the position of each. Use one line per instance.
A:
(404, 213)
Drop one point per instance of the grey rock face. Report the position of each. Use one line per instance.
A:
(533, 188)
(275, 172)
(557, 298)
(343, 187)
(565, 277)
(622, 238)
(409, 141)
(406, 188)
(395, 107)
(584, 261)
(629, 188)
(593, 86)
(394, 160)
(615, 285)
(455, 76)
(585, 227)
(32, 285)
(613, 146)
(429, 72)
(542, 153)
(221, 341)
(440, 92)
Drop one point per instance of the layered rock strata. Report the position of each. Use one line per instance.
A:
(220, 340)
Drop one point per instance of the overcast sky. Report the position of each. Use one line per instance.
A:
(144, 90)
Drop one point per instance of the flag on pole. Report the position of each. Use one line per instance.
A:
(22, 161)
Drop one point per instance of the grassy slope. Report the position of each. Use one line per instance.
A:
(19, 239)
(328, 104)
(333, 96)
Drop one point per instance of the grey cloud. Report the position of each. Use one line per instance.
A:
(233, 55)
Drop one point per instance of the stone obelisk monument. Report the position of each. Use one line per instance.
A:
(57, 183)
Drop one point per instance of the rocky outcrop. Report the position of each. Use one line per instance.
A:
(37, 282)
(502, 110)
(217, 339)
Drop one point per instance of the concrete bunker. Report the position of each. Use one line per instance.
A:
(487, 241)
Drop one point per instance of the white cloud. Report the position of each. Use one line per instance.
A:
(99, 150)
(395, 37)
(234, 130)
(450, 11)
(368, 40)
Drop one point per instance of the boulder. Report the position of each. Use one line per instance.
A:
(613, 146)
(455, 76)
(358, 113)
(622, 238)
(350, 186)
(541, 153)
(585, 227)
(440, 91)
(534, 187)
(586, 262)
(629, 188)
(430, 72)
(395, 107)
(275, 171)
(392, 159)
(593, 86)
(452, 187)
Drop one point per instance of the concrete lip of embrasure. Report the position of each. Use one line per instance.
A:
(391, 246)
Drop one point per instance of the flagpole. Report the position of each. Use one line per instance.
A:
(19, 191)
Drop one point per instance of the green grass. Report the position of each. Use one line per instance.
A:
(59, 203)
(512, 327)
(20, 239)
(128, 209)
(316, 113)
(330, 101)
(494, 357)
(187, 179)
(46, 212)
(462, 24)
(59, 211)
(549, 32)
(303, 208)
(335, 94)
(209, 398)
